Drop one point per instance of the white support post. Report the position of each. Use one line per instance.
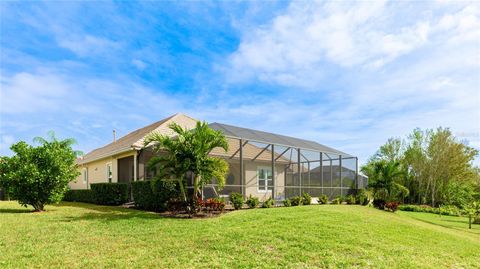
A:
(135, 164)
(274, 179)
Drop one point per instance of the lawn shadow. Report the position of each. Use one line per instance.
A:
(107, 213)
(11, 210)
(472, 231)
(115, 213)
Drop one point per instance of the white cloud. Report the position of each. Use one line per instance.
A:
(25, 92)
(85, 45)
(310, 35)
(74, 106)
(377, 70)
(139, 64)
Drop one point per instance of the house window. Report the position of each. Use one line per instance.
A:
(85, 175)
(264, 179)
(109, 172)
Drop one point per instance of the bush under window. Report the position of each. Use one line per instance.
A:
(237, 200)
(252, 201)
(110, 193)
(84, 196)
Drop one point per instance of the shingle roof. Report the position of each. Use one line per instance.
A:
(124, 143)
(265, 137)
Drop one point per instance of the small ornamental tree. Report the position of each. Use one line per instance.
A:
(40, 175)
(473, 212)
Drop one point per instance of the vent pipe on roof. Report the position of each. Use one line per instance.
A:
(114, 136)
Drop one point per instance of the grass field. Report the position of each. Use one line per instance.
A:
(89, 236)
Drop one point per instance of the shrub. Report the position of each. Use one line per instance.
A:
(153, 195)
(306, 199)
(39, 175)
(85, 196)
(443, 210)
(252, 201)
(449, 210)
(296, 200)
(269, 203)
(110, 193)
(323, 199)
(237, 200)
(379, 203)
(214, 204)
(363, 197)
(176, 205)
(350, 199)
(337, 201)
(287, 203)
(392, 206)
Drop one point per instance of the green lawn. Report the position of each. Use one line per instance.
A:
(86, 236)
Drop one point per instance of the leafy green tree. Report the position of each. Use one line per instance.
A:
(435, 167)
(473, 212)
(188, 153)
(40, 175)
(435, 159)
(5, 177)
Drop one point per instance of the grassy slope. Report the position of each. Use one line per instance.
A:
(82, 235)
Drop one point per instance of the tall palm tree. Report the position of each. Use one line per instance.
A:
(188, 152)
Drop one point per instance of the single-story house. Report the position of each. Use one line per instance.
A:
(261, 164)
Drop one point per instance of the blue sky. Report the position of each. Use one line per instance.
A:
(346, 74)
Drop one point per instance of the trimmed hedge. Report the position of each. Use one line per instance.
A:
(449, 210)
(153, 195)
(110, 193)
(85, 196)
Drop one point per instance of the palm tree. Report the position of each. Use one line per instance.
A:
(188, 152)
(68, 142)
(384, 177)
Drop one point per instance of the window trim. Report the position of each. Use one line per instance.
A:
(265, 190)
(85, 175)
(109, 176)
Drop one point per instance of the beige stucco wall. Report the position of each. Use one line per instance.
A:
(251, 179)
(97, 171)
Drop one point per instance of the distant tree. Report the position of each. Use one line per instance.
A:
(436, 162)
(40, 175)
(436, 168)
(188, 152)
(473, 213)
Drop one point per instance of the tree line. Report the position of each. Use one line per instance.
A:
(427, 167)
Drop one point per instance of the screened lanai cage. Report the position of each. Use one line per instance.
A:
(270, 165)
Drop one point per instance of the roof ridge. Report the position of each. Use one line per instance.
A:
(123, 138)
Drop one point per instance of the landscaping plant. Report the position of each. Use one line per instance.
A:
(296, 200)
(252, 201)
(269, 203)
(323, 199)
(237, 200)
(363, 197)
(306, 199)
(392, 206)
(188, 153)
(350, 199)
(39, 175)
(287, 203)
(473, 212)
(338, 200)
